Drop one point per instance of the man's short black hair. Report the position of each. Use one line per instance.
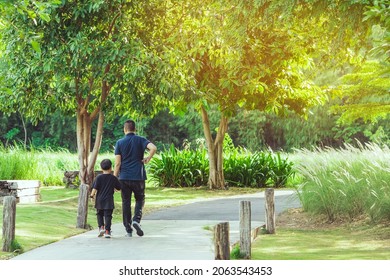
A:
(106, 164)
(129, 125)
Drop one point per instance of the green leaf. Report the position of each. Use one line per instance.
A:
(45, 17)
(36, 46)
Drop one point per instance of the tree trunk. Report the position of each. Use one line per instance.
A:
(82, 211)
(215, 151)
(87, 159)
(96, 147)
(81, 149)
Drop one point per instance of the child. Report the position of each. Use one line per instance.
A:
(103, 187)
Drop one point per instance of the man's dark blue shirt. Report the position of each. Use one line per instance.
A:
(131, 148)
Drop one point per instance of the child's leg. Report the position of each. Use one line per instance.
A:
(108, 218)
(100, 220)
(100, 217)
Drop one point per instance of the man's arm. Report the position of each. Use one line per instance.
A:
(118, 160)
(152, 150)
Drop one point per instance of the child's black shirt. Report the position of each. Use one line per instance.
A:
(105, 185)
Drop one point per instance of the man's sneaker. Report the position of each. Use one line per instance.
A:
(107, 234)
(129, 234)
(137, 227)
(101, 231)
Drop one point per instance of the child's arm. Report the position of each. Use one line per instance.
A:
(93, 193)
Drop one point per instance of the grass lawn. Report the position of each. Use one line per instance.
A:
(343, 243)
(300, 236)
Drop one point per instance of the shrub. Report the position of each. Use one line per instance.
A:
(281, 169)
(244, 169)
(188, 168)
(174, 168)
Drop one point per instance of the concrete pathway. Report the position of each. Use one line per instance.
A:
(177, 233)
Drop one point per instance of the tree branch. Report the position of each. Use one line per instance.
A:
(98, 141)
(111, 27)
(105, 92)
(206, 128)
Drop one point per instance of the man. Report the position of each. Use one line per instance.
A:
(129, 165)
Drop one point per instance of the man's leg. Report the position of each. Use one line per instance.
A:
(126, 205)
(139, 194)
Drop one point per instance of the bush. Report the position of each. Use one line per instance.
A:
(244, 169)
(257, 170)
(174, 168)
(281, 169)
(189, 168)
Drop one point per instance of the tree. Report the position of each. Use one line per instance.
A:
(256, 55)
(240, 59)
(89, 59)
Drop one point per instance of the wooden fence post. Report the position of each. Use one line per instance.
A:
(245, 229)
(222, 241)
(82, 211)
(270, 211)
(9, 219)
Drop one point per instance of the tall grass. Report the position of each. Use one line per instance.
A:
(345, 183)
(17, 163)
(48, 166)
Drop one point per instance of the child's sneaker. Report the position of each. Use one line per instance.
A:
(101, 231)
(107, 234)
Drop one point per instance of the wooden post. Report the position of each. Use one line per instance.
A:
(270, 211)
(245, 229)
(82, 212)
(221, 241)
(9, 214)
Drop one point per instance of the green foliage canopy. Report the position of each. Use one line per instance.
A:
(89, 59)
(365, 93)
(79, 52)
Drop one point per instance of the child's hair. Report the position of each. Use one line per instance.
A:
(106, 164)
